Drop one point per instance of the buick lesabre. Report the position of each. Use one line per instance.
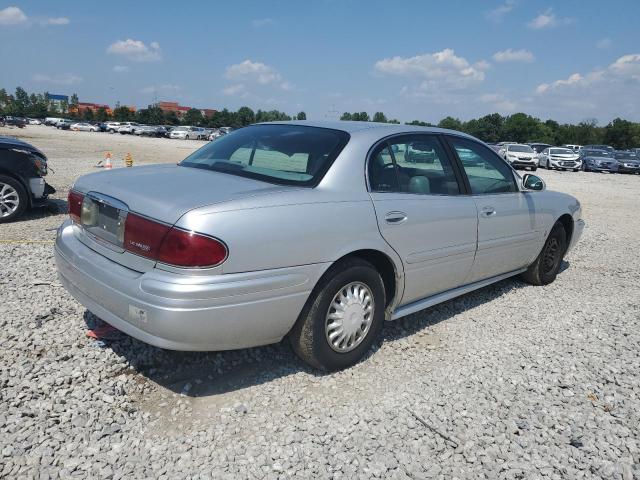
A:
(314, 231)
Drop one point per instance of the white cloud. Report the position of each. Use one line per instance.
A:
(120, 68)
(604, 43)
(136, 50)
(610, 91)
(498, 13)
(261, 22)
(64, 79)
(257, 73)
(165, 88)
(232, 90)
(15, 16)
(58, 21)
(12, 16)
(548, 19)
(440, 70)
(511, 55)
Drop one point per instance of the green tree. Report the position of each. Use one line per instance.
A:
(21, 102)
(246, 116)
(394, 120)
(123, 114)
(346, 116)
(450, 123)
(193, 117)
(418, 123)
(301, 116)
(619, 134)
(379, 117)
(521, 127)
(171, 118)
(73, 101)
(87, 114)
(102, 115)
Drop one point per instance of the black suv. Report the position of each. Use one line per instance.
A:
(22, 186)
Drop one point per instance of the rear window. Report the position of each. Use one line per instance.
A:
(520, 148)
(283, 154)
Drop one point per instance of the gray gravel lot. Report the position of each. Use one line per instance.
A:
(511, 381)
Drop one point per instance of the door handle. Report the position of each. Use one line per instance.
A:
(395, 217)
(488, 211)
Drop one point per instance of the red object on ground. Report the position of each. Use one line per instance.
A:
(103, 331)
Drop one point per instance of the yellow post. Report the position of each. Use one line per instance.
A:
(128, 160)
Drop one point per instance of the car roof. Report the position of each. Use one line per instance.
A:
(383, 129)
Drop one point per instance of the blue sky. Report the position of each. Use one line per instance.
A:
(568, 60)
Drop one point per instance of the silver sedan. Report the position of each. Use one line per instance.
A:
(314, 231)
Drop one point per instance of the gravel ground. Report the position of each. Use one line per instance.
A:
(511, 381)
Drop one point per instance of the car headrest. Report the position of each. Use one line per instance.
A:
(419, 184)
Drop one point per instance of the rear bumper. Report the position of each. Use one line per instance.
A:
(183, 312)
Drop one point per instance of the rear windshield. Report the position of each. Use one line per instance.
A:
(561, 151)
(520, 148)
(283, 154)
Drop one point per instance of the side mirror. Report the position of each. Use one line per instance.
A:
(533, 182)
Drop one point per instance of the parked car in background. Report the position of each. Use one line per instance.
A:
(112, 127)
(64, 124)
(598, 160)
(519, 156)
(560, 158)
(127, 127)
(606, 148)
(575, 148)
(185, 133)
(84, 127)
(22, 171)
(35, 121)
(13, 121)
(182, 271)
(417, 152)
(628, 162)
(51, 120)
(539, 147)
(215, 133)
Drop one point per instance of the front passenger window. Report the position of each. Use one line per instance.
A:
(487, 173)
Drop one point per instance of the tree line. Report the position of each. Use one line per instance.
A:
(494, 127)
(523, 128)
(39, 105)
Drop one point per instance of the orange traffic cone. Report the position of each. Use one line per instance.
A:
(107, 161)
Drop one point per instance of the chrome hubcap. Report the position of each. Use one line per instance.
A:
(9, 200)
(349, 317)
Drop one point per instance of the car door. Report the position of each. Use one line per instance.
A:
(508, 227)
(417, 193)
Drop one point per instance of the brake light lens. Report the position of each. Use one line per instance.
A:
(190, 249)
(143, 236)
(74, 202)
(171, 245)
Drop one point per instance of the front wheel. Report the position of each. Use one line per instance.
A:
(342, 318)
(13, 199)
(546, 266)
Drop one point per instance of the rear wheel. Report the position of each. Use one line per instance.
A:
(342, 318)
(13, 199)
(546, 266)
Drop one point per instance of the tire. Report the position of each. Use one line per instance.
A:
(546, 266)
(533, 169)
(576, 169)
(11, 190)
(309, 337)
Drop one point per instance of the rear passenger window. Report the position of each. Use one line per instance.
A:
(422, 166)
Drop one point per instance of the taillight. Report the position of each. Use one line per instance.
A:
(190, 249)
(171, 245)
(143, 236)
(74, 202)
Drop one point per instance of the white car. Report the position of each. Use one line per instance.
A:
(575, 148)
(185, 133)
(84, 127)
(35, 121)
(561, 158)
(128, 127)
(519, 156)
(112, 127)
